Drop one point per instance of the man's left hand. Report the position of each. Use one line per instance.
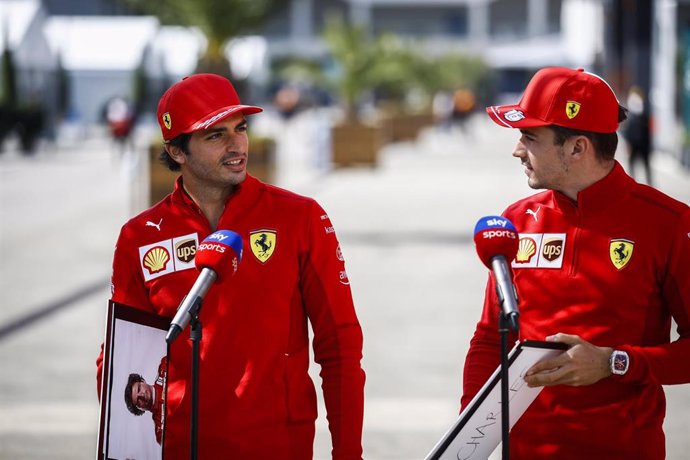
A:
(582, 364)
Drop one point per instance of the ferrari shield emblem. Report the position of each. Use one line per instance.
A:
(263, 243)
(620, 252)
(572, 108)
(167, 122)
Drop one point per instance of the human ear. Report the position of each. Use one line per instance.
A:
(580, 145)
(176, 153)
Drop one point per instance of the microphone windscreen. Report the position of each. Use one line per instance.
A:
(495, 236)
(221, 252)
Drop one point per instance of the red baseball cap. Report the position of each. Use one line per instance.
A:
(564, 97)
(198, 102)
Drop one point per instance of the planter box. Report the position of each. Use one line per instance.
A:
(262, 159)
(161, 179)
(406, 127)
(356, 144)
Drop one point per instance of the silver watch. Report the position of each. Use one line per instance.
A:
(619, 361)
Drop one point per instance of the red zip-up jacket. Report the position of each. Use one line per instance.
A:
(257, 400)
(613, 268)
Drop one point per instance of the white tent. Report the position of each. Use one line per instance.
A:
(100, 55)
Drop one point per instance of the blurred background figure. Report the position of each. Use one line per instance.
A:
(120, 119)
(464, 103)
(287, 100)
(442, 108)
(637, 132)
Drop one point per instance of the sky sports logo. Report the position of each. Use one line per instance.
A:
(496, 227)
(488, 234)
(495, 222)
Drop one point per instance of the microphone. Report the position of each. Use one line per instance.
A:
(216, 257)
(497, 241)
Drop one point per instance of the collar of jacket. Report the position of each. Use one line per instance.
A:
(245, 195)
(600, 196)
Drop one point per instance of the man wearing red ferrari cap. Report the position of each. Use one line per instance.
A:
(256, 398)
(603, 267)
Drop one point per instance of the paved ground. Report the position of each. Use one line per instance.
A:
(405, 229)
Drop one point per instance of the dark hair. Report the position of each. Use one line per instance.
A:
(181, 142)
(131, 406)
(605, 144)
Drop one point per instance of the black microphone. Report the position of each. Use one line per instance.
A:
(497, 241)
(216, 257)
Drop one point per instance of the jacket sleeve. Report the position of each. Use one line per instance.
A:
(484, 354)
(127, 285)
(337, 334)
(663, 364)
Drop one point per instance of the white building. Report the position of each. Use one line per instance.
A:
(100, 55)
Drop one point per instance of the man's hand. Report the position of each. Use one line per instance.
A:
(582, 364)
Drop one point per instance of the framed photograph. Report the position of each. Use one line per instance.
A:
(134, 385)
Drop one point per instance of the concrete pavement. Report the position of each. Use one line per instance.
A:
(405, 229)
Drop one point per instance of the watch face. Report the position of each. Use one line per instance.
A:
(620, 362)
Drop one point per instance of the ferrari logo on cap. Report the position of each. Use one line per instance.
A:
(572, 108)
(620, 252)
(263, 244)
(166, 120)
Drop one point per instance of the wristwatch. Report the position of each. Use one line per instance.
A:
(619, 361)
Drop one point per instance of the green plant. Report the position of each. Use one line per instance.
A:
(354, 55)
(219, 20)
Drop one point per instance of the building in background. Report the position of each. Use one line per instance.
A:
(630, 42)
(36, 68)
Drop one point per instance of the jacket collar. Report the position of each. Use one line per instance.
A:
(244, 195)
(599, 196)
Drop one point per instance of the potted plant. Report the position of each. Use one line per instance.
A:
(354, 56)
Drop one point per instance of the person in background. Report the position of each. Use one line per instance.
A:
(602, 266)
(256, 398)
(637, 132)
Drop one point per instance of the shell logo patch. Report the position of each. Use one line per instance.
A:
(526, 250)
(263, 244)
(572, 108)
(620, 252)
(156, 259)
(166, 120)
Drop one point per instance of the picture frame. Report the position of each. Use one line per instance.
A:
(134, 348)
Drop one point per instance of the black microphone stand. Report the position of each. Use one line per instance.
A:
(195, 335)
(504, 326)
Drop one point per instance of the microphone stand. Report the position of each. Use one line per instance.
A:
(504, 326)
(195, 334)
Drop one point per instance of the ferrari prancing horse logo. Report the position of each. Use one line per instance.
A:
(263, 244)
(166, 120)
(572, 108)
(620, 251)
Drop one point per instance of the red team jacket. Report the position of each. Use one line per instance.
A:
(613, 268)
(257, 400)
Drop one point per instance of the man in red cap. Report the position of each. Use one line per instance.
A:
(256, 398)
(603, 267)
(141, 397)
